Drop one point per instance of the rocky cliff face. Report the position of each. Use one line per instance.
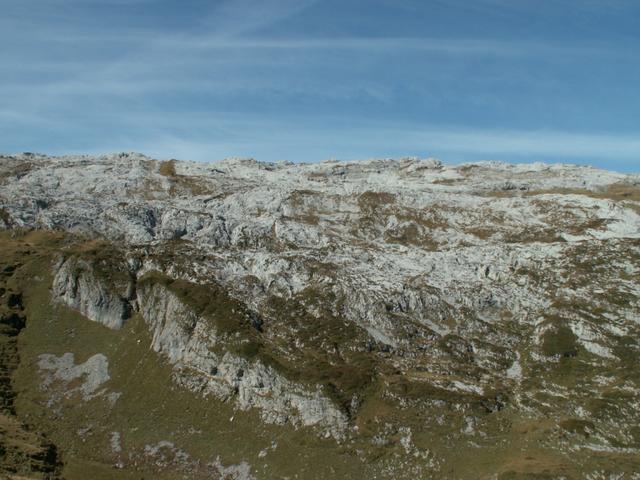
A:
(202, 364)
(379, 301)
(77, 284)
(192, 345)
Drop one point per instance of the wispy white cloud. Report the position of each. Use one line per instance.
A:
(222, 135)
(190, 63)
(236, 17)
(133, 87)
(447, 46)
(142, 40)
(548, 144)
(507, 8)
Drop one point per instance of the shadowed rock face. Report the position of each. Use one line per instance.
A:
(80, 287)
(24, 452)
(385, 302)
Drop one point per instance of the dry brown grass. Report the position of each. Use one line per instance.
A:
(620, 191)
(531, 235)
(309, 219)
(430, 218)
(12, 167)
(317, 177)
(540, 465)
(483, 233)
(617, 192)
(448, 181)
(305, 211)
(411, 234)
(192, 185)
(372, 200)
(469, 168)
(16, 437)
(167, 168)
(298, 198)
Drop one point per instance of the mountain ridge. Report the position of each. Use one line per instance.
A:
(404, 307)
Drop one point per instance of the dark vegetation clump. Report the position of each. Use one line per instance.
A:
(560, 341)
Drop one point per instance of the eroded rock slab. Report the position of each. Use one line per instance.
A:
(62, 371)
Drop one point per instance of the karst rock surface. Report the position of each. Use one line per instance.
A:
(405, 305)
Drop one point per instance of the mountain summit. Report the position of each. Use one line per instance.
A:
(377, 319)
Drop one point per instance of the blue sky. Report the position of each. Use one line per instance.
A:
(307, 80)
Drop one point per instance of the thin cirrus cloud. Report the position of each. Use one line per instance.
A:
(265, 79)
(246, 136)
(233, 18)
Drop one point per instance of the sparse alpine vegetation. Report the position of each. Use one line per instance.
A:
(377, 319)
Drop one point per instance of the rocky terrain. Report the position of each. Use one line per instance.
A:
(374, 319)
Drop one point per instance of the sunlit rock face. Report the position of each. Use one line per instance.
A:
(377, 301)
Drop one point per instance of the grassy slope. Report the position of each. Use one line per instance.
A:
(152, 409)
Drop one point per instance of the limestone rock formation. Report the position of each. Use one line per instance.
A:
(400, 310)
(77, 284)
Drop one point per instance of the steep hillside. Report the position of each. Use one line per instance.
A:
(376, 319)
